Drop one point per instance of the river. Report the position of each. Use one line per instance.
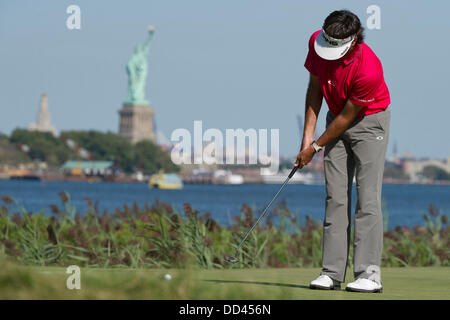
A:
(405, 204)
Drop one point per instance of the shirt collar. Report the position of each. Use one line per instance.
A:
(356, 52)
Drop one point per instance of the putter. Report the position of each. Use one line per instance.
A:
(235, 259)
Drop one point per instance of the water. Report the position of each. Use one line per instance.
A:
(405, 204)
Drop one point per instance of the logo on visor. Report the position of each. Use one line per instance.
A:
(336, 42)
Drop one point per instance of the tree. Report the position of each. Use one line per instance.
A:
(151, 158)
(43, 146)
(104, 146)
(435, 173)
(144, 155)
(10, 154)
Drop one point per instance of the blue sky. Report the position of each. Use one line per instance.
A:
(231, 64)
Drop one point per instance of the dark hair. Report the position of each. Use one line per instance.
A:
(342, 24)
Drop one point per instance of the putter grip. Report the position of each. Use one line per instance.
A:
(293, 171)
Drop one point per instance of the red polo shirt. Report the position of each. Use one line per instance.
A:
(357, 76)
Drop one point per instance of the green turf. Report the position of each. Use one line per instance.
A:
(50, 283)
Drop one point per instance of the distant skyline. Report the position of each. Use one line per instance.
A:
(231, 64)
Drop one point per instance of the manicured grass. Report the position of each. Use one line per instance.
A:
(17, 282)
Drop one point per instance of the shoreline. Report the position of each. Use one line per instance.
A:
(96, 179)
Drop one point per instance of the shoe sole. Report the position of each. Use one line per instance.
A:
(324, 288)
(364, 291)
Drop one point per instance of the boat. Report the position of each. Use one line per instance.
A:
(299, 177)
(23, 174)
(227, 177)
(163, 180)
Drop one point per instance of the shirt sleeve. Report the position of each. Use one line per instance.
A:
(365, 87)
(311, 58)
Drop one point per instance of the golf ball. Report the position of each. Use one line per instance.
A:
(167, 277)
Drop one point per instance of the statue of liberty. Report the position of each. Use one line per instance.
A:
(137, 72)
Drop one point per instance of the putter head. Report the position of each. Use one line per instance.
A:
(230, 259)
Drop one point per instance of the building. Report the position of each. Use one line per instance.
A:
(43, 123)
(88, 168)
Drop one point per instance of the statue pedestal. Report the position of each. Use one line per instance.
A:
(136, 123)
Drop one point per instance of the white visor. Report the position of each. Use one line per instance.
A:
(330, 48)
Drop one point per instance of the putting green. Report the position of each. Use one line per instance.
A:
(18, 282)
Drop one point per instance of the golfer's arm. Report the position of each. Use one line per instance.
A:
(313, 104)
(340, 123)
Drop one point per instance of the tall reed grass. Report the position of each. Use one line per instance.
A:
(158, 236)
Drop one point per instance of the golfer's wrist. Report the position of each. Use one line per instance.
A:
(308, 139)
(306, 143)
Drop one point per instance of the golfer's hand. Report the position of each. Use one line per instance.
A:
(305, 156)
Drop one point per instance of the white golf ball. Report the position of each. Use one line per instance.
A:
(168, 277)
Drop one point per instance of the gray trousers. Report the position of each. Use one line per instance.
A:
(361, 149)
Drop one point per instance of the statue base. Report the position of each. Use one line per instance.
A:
(136, 122)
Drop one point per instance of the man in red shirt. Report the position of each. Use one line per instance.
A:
(346, 72)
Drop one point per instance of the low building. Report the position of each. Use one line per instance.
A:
(88, 168)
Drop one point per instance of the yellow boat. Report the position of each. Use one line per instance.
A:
(163, 180)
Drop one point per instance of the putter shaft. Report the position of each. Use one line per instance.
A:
(265, 210)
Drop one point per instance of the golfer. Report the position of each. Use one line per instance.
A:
(348, 74)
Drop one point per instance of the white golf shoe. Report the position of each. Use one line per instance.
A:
(364, 285)
(324, 282)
